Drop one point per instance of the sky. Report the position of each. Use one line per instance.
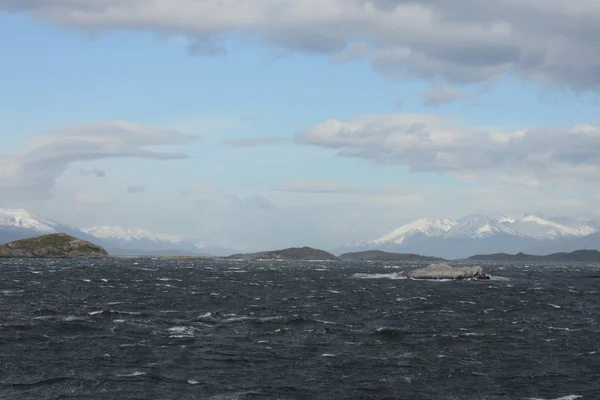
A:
(270, 123)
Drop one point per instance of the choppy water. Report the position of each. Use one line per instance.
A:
(144, 329)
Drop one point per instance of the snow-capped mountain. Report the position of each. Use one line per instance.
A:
(135, 240)
(479, 227)
(481, 234)
(22, 219)
(542, 227)
(421, 227)
(16, 224)
(132, 235)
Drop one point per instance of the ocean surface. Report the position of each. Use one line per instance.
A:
(166, 329)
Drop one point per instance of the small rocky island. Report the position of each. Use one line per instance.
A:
(58, 245)
(294, 253)
(445, 271)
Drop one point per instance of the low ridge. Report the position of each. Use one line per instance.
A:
(293, 253)
(379, 255)
(575, 256)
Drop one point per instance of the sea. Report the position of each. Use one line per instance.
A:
(201, 329)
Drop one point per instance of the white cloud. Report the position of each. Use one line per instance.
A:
(31, 173)
(437, 96)
(434, 143)
(548, 41)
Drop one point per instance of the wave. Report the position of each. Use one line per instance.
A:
(110, 313)
(394, 276)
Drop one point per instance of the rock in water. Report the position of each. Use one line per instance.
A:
(445, 271)
(58, 245)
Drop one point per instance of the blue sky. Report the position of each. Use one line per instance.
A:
(262, 167)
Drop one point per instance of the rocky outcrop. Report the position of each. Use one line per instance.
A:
(445, 271)
(58, 245)
(294, 253)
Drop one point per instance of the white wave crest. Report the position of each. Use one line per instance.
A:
(394, 276)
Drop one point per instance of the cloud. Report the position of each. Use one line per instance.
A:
(462, 41)
(319, 186)
(437, 96)
(135, 189)
(253, 142)
(90, 198)
(200, 189)
(259, 202)
(98, 173)
(354, 51)
(443, 144)
(31, 173)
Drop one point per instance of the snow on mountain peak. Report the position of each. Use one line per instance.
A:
(421, 226)
(20, 218)
(540, 226)
(478, 227)
(131, 234)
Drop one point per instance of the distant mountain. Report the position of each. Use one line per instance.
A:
(125, 240)
(17, 224)
(576, 256)
(483, 234)
(378, 255)
(294, 253)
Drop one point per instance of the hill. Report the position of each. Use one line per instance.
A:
(576, 256)
(379, 255)
(294, 253)
(57, 245)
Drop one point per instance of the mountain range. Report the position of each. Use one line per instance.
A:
(476, 234)
(16, 224)
(535, 234)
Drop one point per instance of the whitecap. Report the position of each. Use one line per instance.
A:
(394, 276)
(182, 331)
(569, 397)
(327, 355)
(136, 373)
(95, 312)
(410, 298)
(553, 305)
(191, 382)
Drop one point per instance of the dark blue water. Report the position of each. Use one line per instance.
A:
(150, 329)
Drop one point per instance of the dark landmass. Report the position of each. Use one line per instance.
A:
(294, 253)
(445, 271)
(576, 256)
(57, 245)
(378, 255)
